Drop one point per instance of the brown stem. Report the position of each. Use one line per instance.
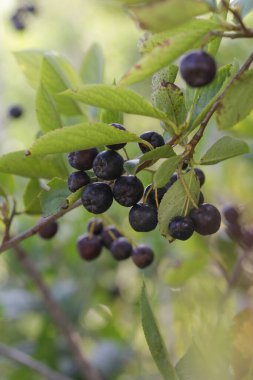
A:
(72, 337)
(8, 222)
(26, 360)
(236, 15)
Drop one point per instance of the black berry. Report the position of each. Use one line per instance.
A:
(143, 217)
(97, 197)
(206, 219)
(201, 198)
(77, 180)
(49, 230)
(95, 226)
(82, 159)
(150, 195)
(154, 138)
(15, 112)
(231, 214)
(89, 247)
(109, 234)
(108, 165)
(198, 68)
(17, 22)
(181, 227)
(117, 146)
(200, 175)
(121, 248)
(127, 190)
(142, 256)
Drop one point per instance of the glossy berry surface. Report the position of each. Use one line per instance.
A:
(231, 214)
(89, 247)
(206, 219)
(82, 159)
(201, 176)
(108, 165)
(95, 226)
(142, 256)
(121, 249)
(181, 227)
(77, 180)
(97, 197)
(48, 231)
(15, 112)
(154, 138)
(117, 146)
(127, 190)
(109, 234)
(150, 195)
(198, 68)
(143, 217)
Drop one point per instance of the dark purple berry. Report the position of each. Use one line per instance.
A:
(121, 248)
(15, 112)
(30, 8)
(150, 195)
(231, 214)
(108, 165)
(82, 159)
(143, 217)
(89, 247)
(154, 138)
(206, 219)
(181, 227)
(201, 198)
(200, 175)
(109, 234)
(97, 197)
(142, 256)
(127, 190)
(49, 230)
(117, 146)
(17, 22)
(198, 68)
(95, 226)
(77, 180)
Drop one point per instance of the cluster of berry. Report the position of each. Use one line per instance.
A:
(19, 18)
(90, 245)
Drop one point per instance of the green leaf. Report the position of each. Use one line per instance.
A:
(55, 198)
(80, 136)
(154, 339)
(57, 75)
(92, 67)
(47, 114)
(176, 201)
(32, 167)
(245, 6)
(109, 117)
(163, 49)
(225, 148)
(237, 102)
(192, 365)
(167, 74)
(114, 98)
(30, 62)
(30, 197)
(165, 171)
(157, 16)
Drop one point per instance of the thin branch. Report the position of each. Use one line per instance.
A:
(8, 222)
(72, 337)
(32, 231)
(236, 15)
(26, 360)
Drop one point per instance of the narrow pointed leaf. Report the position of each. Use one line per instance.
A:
(47, 114)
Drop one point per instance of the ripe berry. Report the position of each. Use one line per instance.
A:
(49, 230)
(181, 227)
(17, 22)
(15, 112)
(89, 247)
(82, 159)
(109, 234)
(95, 226)
(198, 68)
(154, 138)
(117, 146)
(127, 190)
(151, 198)
(97, 197)
(142, 256)
(108, 165)
(201, 198)
(231, 214)
(121, 248)
(200, 175)
(143, 217)
(206, 219)
(77, 180)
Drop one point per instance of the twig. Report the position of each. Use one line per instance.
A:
(32, 231)
(71, 336)
(8, 222)
(236, 15)
(26, 360)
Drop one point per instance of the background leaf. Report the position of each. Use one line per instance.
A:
(192, 365)
(54, 199)
(92, 67)
(30, 62)
(47, 114)
(30, 197)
